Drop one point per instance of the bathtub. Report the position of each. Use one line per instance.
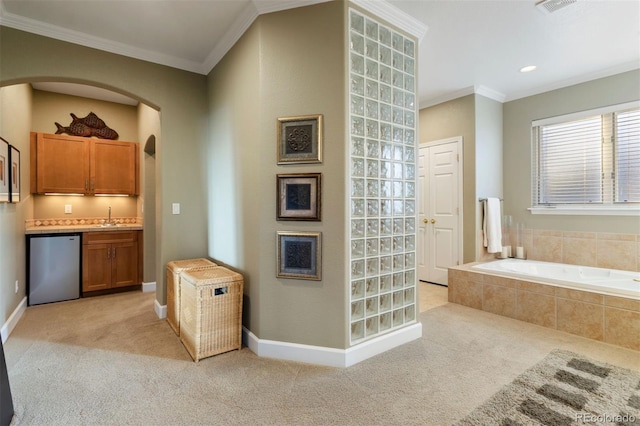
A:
(611, 282)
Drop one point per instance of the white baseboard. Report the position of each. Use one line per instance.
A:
(331, 357)
(378, 345)
(161, 310)
(148, 287)
(11, 323)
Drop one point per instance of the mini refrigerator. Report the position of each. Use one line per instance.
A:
(54, 268)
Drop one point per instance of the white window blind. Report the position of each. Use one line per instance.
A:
(570, 162)
(587, 160)
(627, 180)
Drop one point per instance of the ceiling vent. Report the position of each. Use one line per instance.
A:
(550, 6)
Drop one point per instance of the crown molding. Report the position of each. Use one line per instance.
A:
(487, 92)
(426, 103)
(618, 69)
(268, 6)
(254, 9)
(394, 16)
(471, 90)
(59, 33)
(242, 24)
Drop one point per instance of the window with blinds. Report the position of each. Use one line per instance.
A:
(587, 159)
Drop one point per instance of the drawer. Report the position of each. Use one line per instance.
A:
(109, 237)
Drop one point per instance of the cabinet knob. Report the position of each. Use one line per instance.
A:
(425, 220)
(433, 221)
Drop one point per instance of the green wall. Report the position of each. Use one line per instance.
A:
(488, 160)
(16, 104)
(289, 63)
(447, 120)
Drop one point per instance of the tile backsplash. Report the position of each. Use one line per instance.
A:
(599, 249)
(80, 221)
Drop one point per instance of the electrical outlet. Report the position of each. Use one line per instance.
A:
(67, 208)
(175, 208)
(17, 286)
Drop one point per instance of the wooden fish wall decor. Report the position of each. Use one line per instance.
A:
(91, 125)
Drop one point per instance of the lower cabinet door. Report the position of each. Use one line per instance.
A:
(124, 264)
(96, 267)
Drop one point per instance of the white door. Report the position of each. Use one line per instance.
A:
(439, 201)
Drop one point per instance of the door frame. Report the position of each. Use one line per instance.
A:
(459, 141)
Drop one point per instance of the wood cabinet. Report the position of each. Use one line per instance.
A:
(74, 165)
(111, 259)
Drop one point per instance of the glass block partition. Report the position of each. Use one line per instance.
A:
(382, 117)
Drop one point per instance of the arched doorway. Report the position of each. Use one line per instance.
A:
(42, 104)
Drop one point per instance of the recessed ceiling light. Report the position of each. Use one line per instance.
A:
(528, 68)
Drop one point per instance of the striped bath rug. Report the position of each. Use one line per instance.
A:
(564, 389)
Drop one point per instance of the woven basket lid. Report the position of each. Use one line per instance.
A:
(181, 265)
(210, 276)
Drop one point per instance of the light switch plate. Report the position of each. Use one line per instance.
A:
(175, 208)
(67, 208)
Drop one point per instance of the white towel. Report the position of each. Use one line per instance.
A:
(491, 227)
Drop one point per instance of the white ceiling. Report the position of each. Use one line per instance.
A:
(469, 45)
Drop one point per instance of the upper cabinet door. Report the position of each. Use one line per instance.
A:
(113, 167)
(74, 165)
(62, 164)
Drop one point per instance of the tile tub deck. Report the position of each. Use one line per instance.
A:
(610, 319)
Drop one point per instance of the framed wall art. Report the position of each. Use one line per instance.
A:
(299, 196)
(300, 139)
(4, 171)
(299, 255)
(14, 174)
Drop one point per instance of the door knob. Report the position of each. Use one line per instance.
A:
(433, 221)
(425, 220)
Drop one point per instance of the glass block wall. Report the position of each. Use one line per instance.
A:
(382, 117)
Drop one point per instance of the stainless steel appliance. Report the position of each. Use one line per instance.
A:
(54, 268)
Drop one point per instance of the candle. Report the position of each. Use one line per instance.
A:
(520, 252)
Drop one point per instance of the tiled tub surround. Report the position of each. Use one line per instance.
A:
(611, 319)
(599, 249)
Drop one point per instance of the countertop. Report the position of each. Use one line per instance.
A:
(61, 229)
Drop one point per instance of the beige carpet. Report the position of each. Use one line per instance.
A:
(110, 361)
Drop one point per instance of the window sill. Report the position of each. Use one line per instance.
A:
(587, 211)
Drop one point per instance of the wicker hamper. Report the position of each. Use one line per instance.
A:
(211, 311)
(173, 286)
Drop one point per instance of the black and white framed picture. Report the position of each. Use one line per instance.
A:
(299, 196)
(300, 139)
(299, 255)
(14, 174)
(4, 171)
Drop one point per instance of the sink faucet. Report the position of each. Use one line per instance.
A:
(108, 221)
